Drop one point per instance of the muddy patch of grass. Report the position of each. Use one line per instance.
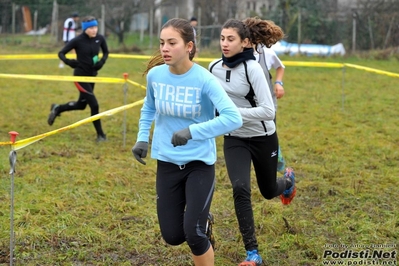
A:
(82, 203)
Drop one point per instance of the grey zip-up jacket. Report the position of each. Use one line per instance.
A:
(258, 116)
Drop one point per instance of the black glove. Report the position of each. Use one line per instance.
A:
(72, 62)
(98, 65)
(181, 137)
(139, 151)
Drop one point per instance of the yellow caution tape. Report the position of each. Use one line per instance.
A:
(373, 70)
(203, 59)
(313, 64)
(64, 78)
(72, 78)
(25, 142)
(124, 56)
(128, 56)
(31, 56)
(55, 56)
(290, 63)
(136, 84)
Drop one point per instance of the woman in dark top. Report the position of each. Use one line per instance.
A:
(87, 46)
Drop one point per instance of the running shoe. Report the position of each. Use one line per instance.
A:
(101, 138)
(208, 230)
(53, 113)
(253, 259)
(288, 194)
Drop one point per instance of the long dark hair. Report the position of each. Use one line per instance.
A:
(240, 27)
(186, 31)
(264, 32)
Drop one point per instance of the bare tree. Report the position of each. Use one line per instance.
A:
(119, 14)
(211, 11)
(5, 14)
(377, 20)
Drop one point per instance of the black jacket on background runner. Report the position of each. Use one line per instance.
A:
(87, 64)
(86, 49)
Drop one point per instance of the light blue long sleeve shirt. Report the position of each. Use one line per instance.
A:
(176, 102)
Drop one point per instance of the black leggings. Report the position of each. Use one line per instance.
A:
(238, 153)
(86, 97)
(184, 196)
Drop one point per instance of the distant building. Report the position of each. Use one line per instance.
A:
(239, 8)
(347, 4)
(246, 7)
(179, 8)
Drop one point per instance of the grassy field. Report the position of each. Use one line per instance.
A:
(82, 203)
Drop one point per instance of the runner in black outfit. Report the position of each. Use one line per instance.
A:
(87, 46)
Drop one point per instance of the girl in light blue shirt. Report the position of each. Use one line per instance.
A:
(181, 99)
